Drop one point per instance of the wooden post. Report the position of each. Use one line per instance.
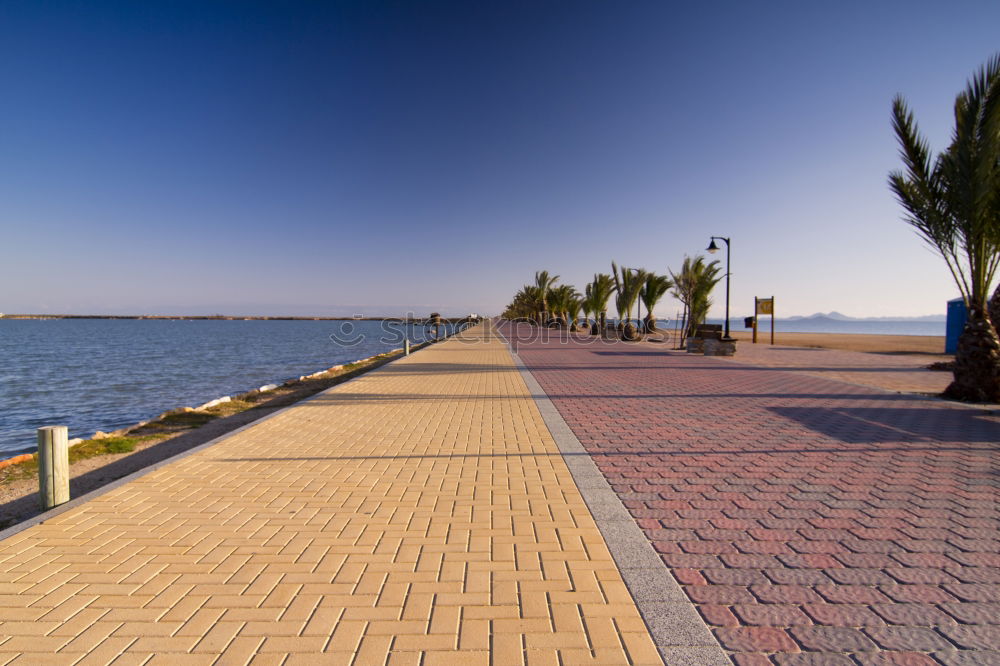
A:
(755, 300)
(772, 319)
(53, 466)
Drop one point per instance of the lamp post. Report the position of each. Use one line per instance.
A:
(712, 249)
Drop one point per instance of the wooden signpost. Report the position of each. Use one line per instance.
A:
(763, 306)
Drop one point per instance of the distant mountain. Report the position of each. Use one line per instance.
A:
(837, 316)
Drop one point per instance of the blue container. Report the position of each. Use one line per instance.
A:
(957, 314)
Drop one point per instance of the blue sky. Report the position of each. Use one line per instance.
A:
(321, 158)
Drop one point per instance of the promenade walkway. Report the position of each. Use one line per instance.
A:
(812, 521)
(420, 514)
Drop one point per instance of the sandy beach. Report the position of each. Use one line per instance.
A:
(879, 344)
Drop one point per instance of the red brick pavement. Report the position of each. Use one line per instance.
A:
(811, 521)
(907, 373)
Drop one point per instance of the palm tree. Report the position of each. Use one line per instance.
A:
(620, 307)
(994, 308)
(706, 276)
(601, 289)
(562, 301)
(573, 306)
(554, 307)
(652, 291)
(589, 305)
(526, 304)
(693, 288)
(953, 201)
(628, 284)
(681, 291)
(619, 296)
(544, 283)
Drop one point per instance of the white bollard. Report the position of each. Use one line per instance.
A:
(406, 346)
(53, 466)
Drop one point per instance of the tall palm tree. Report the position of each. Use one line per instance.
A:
(562, 301)
(524, 305)
(619, 296)
(573, 306)
(628, 284)
(601, 288)
(652, 291)
(544, 283)
(953, 201)
(706, 276)
(994, 309)
(693, 286)
(589, 305)
(620, 307)
(554, 307)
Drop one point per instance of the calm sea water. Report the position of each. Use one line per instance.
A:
(102, 374)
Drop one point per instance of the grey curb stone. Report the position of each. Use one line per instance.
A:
(680, 634)
(694, 656)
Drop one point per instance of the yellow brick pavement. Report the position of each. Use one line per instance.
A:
(420, 514)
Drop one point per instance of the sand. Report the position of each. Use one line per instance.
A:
(881, 344)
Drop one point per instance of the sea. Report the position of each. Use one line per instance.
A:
(105, 374)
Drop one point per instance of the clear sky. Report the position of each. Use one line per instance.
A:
(317, 157)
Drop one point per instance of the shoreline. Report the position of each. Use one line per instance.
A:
(263, 389)
(409, 320)
(108, 456)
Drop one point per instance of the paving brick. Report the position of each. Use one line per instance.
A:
(852, 594)
(921, 594)
(973, 637)
(719, 594)
(813, 659)
(420, 507)
(774, 615)
(785, 594)
(871, 507)
(718, 615)
(831, 639)
(755, 639)
(890, 658)
(751, 659)
(914, 615)
(842, 615)
(910, 639)
(967, 657)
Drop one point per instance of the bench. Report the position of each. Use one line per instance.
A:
(707, 340)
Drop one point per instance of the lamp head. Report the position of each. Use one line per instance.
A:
(712, 247)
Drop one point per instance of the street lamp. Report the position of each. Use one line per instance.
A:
(712, 249)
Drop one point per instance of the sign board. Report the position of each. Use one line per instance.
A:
(763, 306)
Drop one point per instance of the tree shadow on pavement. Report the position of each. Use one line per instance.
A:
(864, 425)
